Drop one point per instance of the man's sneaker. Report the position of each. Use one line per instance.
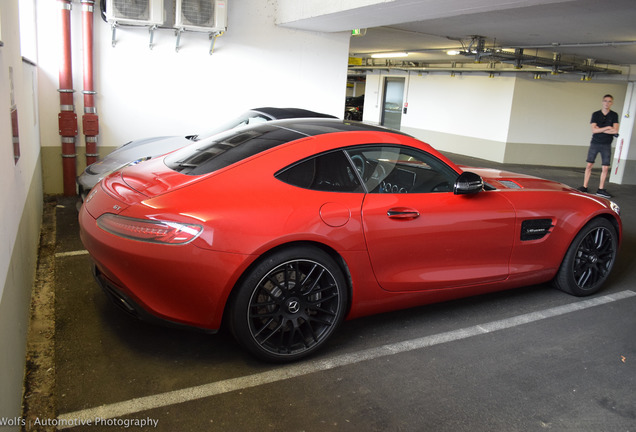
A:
(603, 193)
(583, 189)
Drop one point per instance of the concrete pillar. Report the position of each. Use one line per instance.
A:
(623, 169)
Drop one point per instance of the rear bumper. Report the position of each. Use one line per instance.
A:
(180, 284)
(132, 308)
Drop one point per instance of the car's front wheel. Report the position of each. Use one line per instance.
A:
(289, 304)
(589, 259)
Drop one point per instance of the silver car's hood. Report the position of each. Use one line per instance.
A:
(129, 153)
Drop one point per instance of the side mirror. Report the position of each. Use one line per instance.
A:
(468, 183)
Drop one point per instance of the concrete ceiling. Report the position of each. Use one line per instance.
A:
(602, 30)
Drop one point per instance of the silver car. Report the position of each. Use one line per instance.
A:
(137, 151)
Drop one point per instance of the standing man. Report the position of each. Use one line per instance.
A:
(604, 129)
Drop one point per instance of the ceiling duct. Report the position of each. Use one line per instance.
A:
(494, 66)
(557, 64)
(476, 48)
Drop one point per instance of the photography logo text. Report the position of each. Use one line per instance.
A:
(65, 423)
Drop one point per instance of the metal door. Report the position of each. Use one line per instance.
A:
(392, 102)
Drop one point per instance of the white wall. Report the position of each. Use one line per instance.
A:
(462, 105)
(21, 215)
(465, 114)
(355, 88)
(557, 112)
(143, 92)
(508, 118)
(551, 120)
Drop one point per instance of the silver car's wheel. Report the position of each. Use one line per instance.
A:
(589, 259)
(289, 304)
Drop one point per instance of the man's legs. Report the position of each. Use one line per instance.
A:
(604, 172)
(588, 173)
(606, 153)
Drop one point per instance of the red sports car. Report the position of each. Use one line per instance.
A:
(284, 229)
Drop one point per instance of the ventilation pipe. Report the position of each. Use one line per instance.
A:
(90, 121)
(67, 119)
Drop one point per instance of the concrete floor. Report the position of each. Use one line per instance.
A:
(531, 359)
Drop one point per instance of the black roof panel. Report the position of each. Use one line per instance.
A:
(312, 127)
(286, 113)
(232, 146)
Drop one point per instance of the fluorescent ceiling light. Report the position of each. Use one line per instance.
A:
(389, 55)
(452, 52)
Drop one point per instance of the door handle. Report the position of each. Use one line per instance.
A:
(402, 213)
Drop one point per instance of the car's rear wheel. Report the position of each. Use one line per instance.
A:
(289, 304)
(589, 259)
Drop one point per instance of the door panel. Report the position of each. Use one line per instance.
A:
(427, 241)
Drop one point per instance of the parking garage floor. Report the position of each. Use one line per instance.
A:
(530, 359)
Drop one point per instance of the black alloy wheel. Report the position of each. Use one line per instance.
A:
(289, 304)
(589, 259)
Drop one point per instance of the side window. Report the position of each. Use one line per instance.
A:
(329, 172)
(392, 169)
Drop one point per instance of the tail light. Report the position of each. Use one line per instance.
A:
(164, 232)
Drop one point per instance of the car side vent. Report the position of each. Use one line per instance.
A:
(510, 184)
(535, 229)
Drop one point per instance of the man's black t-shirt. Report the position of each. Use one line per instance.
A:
(602, 121)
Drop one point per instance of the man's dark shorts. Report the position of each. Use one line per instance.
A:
(604, 149)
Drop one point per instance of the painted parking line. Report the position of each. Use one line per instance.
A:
(71, 253)
(119, 409)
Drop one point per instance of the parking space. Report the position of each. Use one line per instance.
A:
(530, 359)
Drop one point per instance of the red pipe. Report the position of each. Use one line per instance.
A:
(90, 121)
(67, 119)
